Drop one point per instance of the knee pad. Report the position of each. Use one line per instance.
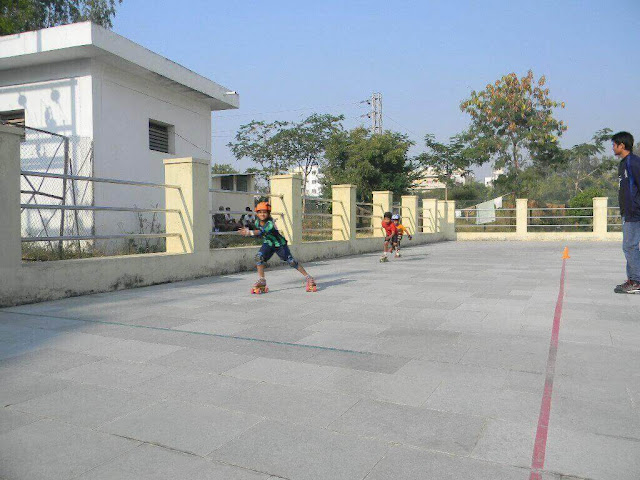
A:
(259, 259)
(293, 263)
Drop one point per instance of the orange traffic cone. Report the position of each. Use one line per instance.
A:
(565, 254)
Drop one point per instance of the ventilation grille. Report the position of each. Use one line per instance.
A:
(158, 137)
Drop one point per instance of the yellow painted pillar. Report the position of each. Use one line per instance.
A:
(382, 202)
(10, 231)
(286, 191)
(344, 210)
(193, 223)
(600, 215)
(521, 217)
(449, 219)
(429, 215)
(409, 213)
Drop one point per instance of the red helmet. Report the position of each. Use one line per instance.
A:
(263, 206)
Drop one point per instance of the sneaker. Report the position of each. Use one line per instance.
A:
(629, 286)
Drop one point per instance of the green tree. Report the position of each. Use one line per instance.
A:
(371, 162)
(585, 166)
(304, 143)
(23, 15)
(221, 168)
(259, 142)
(511, 120)
(445, 160)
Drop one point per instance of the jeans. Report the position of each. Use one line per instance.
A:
(631, 249)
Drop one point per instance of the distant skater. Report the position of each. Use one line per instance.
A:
(400, 231)
(272, 242)
(629, 197)
(390, 236)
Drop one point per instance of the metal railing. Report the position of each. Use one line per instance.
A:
(496, 219)
(561, 218)
(84, 249)
(614, 219)
(364, 219)
(317, 218)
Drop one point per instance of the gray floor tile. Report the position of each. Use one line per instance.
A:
(48, 361)
(50, 450)
(417, 426)
(12, 419)
(290, 404)
(113, 373)
(202, 360)
(182, 426)
(402, 463)
(85, 405)
(301, 453)
(282, 372)
(19, 386)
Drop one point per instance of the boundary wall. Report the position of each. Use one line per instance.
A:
(188, 255)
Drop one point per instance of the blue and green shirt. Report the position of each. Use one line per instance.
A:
(270, 234)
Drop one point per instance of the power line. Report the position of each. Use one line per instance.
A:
(221, 116)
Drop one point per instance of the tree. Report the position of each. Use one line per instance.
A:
(371, 162)
(221, 168)
(304, 143)
(511, 118)
(584, 164)
(258, 141)
(23, 15)
(447, 159)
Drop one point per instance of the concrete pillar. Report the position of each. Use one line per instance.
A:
(429, 215)
(600, 215)
(382, 202)
(448, 227)
(286, 191)
(10, 231)
(409, 213)
(344, 225)
(192, 200)
(521, 217)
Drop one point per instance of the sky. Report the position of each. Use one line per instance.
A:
(288, 59)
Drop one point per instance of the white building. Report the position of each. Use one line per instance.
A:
(429, 180)
(313, 186)
(488, 181)
(122, 107)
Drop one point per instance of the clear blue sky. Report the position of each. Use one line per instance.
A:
(423, 56)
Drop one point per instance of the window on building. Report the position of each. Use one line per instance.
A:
(14, 118)
(226, 183)
(242, 183)
(160, 137)
(314, 181)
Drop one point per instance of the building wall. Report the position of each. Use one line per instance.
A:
(56, 98)
(124, 103)
(235, 201)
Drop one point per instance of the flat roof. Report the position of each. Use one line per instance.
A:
(88, 40)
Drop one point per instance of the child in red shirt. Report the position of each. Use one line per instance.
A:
(390, 235)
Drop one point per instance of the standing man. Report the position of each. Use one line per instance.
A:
(629, 197)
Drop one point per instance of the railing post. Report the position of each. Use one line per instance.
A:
(287, 200)
(409, 213)
(344, 225)
(600, 215)
(193, 224)
(10, 229)
(448, 219)
(430, 215)
(382, 202)
(521, 217)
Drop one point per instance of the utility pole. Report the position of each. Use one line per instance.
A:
(376, 113)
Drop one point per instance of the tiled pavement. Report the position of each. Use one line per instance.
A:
(428, 367)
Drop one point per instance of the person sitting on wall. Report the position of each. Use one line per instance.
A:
(248, 219)
(219, 224)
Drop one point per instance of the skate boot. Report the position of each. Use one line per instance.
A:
(398, 254)
(260, 286)
(384, 259)
(311, 285)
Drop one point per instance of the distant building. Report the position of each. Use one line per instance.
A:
(116, 110)
(428, 180)
(488, 181)
(313, 187)
(236, 184)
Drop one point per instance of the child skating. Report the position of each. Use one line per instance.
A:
(273, 242)
(401, 230)
(390, 232)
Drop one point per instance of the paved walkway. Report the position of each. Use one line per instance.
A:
(429, 367)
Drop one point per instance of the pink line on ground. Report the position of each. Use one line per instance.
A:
(540, 446)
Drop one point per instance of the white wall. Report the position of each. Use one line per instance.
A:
(56, 98)
(124, 103)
